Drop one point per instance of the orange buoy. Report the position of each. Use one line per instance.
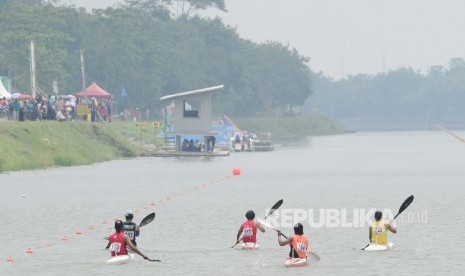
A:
(78, 232)
(9, 259)
(237, 171)
(29, 251)
(105, 222)
(49, 244)
(91, 227)
(64, 238)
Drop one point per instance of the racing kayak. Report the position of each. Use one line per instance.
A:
(121, 259)
(378, 247)
(250, 245)
(295, 262)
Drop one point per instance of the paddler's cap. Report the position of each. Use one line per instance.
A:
(250, 214)
(128, 213)
(378, 215)
(299, 229)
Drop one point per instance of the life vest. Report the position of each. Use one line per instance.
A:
(129, 228)
(117, 244)
(249, 231)
(379, 233)
(299, 245)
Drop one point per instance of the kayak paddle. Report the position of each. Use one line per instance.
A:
(153, 260)
(274, 208)
(148, 219)
(404, 206)
(313, 256)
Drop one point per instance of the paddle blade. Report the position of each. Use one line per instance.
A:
(148, 219)
(269, 226)
(404, 205)
(265, 224)
(275, 206)
(313, 256)
(153, 260)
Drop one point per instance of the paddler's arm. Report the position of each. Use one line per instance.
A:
(137, 230)
(369, 234)
(283, 242)
(133, 247)
(239, 234)
(260, 226)
(392, 227)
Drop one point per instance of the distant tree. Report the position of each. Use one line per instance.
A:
(178, 8)
(185, 8)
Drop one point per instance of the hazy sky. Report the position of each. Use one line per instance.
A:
(351, 36)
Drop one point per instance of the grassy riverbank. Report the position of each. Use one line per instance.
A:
(285, 128)
(46, 144)
(39, 145)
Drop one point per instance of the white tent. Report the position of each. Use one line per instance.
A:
(3, 92)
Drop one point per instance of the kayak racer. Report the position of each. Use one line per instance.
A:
(249, 229)
(118, 242)
(298, 242)
(378, 230)
(130, 228)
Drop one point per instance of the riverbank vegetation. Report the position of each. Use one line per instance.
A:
(46, 144)
(402, 99)
(40, 145)
(296, 127)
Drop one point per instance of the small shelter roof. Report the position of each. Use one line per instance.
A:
(94, 91)
(193, 92)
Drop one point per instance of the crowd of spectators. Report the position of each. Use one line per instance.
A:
(60, 108)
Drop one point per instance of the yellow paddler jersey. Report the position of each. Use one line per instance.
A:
(379, 233)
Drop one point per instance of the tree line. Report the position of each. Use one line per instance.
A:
(151, 48)
(402, 98)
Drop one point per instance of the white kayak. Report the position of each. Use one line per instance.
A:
(295, 262)
(121, 259)
(250, 245)
(378, 247)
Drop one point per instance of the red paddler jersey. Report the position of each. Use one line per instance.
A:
(249, 231)
(117, 244)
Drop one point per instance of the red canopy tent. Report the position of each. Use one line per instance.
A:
(94, 91)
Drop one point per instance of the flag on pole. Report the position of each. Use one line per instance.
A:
(123, 94)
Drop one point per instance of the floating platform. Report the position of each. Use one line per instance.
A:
(262, 146)
(220, 153)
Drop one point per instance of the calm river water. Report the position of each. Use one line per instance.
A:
(203, 205)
